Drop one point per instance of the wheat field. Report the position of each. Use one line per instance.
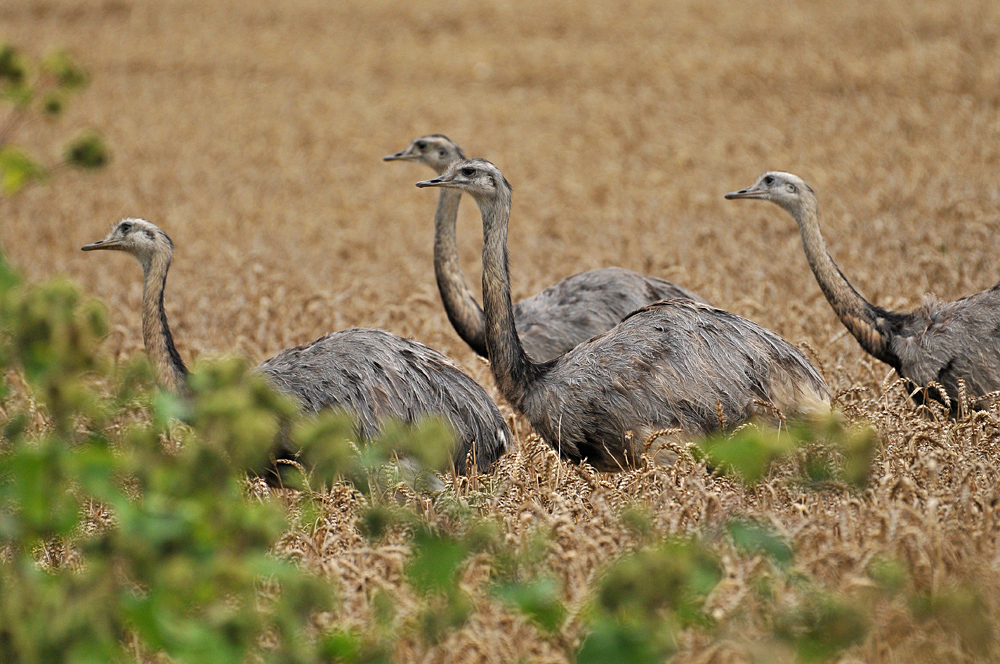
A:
(252, 132)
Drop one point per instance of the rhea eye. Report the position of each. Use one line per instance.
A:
(468, 172)
(421, 145)
(125, 228)
(769, 180)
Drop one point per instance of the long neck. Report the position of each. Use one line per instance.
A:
(155, 332)
(866, 322)
(462, 309)
(512, 368)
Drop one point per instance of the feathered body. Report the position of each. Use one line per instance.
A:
(584, 305)
(376, 376)
(550, 323)
(941, 342)
(672, 364)
(675, 363)
(945, 341)
(372, 374)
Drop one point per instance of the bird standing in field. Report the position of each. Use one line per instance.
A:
(371, 374)
(550, 323)
(941, 342)
(674, 363)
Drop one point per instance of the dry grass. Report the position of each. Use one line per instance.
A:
(252, 133)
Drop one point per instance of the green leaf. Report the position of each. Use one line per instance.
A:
(538, 600)
(962, 610)
(87, 151)
(747, 453)
(68, 74)
(435, 561)
(13, 70)
(889, 573)
(672, 577)
(611, 642)
(756, 538)
(17, 170)
(53, 103)
(822, 626)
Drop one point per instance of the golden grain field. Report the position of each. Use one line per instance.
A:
(252, 132)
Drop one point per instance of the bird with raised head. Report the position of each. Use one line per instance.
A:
(941, 342)
(551, 322)
(675, 363)
(372, 374)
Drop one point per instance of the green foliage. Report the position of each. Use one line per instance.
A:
(822, 626)
(17, 169)
(539, 600)
(961, 610)
(32, 88)
(13, 69)
(890, 574)
(182, 563)
(753, 538)
(87, 150)
(831, 451)
(747, 453)
(645, 597)
(433, 572)
(67, 73)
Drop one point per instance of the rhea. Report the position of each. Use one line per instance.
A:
(372, 374)
(674, 363)
(549, 323)
(941, 342)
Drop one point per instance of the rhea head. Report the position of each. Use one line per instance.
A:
(784, 189)
(477, 177)
(138, 237)
(436, 150)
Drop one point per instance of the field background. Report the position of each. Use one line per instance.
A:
(252, 132)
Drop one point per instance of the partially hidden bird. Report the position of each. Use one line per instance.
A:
(672, 364)
(941, 342)
(551, 322)
(372, 374)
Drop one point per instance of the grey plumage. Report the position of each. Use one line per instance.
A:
(376, 375)
(549, 323)
(674, 363)
(940, 342)
(372, 374)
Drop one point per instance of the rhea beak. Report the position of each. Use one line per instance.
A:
(749, 192)
(404, 155)
(100, 244)
(439, 181)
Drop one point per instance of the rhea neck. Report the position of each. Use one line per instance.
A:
(155, 331)
(513, 370)
(862, 319)
(462, 309)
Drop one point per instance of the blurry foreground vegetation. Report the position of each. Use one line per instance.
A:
(129, 529)
(33, 89)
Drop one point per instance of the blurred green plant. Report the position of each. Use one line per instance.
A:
(822, 625)
(831, 451)
(31, 88)
(961, 610)
(125, 519)
(645, 598)
(753, 538)
(181, 556)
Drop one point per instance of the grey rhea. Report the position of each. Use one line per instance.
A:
(370, 373)
(674, 363)
(940, 342)
(549, 323)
